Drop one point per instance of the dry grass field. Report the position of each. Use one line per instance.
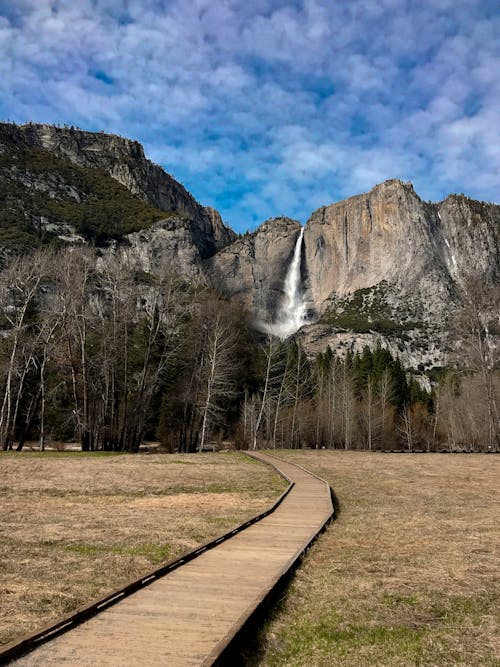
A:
(409, 574)
(73, 527)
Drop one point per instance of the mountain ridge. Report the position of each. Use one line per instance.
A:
(124, 161)
(382, 265)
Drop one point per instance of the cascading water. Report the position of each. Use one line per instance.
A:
(292, 313)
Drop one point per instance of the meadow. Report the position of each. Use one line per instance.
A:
(73, 527)
(408, 574)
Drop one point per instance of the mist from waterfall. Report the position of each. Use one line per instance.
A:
(292, 312)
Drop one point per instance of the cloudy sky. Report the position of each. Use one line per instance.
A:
(270, 107)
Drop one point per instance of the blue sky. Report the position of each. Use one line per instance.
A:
(269, 107)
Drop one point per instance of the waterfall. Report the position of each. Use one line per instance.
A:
(292, 313)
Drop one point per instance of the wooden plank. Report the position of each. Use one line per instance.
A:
(191, 614)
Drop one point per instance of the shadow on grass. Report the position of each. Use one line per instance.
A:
(248, 646)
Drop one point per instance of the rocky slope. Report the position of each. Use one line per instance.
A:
(253, 268)
(24, 147)
(384, 266)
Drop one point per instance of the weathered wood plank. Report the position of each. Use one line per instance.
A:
(189, 616)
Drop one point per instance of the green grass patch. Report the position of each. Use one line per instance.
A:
(156, 553)
(317, 643)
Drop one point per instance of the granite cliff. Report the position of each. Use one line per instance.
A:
(252, 269)
(391, 267)
(381, 267)
(384, 266)
(71, 168)
(421, 249)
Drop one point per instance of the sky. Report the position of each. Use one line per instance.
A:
(264, 108)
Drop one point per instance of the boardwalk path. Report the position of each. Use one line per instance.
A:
(189, 616)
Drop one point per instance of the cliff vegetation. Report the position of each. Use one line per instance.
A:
(42, 194)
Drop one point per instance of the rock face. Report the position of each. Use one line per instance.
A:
(470, 231)
(252, 269)
(124, 160)
(387, 265)
(381, 266)
(391, 235)
(166, 246)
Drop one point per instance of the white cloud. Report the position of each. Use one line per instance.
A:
(266, 107)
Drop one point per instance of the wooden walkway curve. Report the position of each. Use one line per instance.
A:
(189, 616)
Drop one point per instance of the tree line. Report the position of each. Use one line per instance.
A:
(88, 349)
(95, 350)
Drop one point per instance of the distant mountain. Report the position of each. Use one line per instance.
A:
(379, 267)
(63, 182)
(389, 263)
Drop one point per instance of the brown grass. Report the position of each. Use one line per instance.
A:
(409, 572)
(74, 527)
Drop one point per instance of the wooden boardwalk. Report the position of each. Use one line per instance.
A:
(190, 615)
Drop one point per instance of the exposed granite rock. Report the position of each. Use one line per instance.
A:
(386, 234)
(397, 263)
(379, 267)
(124, 160)
(252, 269)
(470, 233)
(222, 234)
(391, 235)
(166, 246)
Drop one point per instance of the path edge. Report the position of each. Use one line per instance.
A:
(226, 645)
(32, 640)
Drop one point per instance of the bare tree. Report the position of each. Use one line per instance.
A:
(477, 328)
(369, 415)
(76, 278)
(321, 386)
(463, 417)
(347, 403)
(282, 379)
(19, 285)
(217, 369)
(160, 316)
(385, 395)
(298, 387)
(276, 390)
(333, 401)
(432, 443)
(48, 328)
(269, 352)
(407, 428)
(118, 313)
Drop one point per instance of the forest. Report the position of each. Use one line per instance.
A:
(96, 351)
